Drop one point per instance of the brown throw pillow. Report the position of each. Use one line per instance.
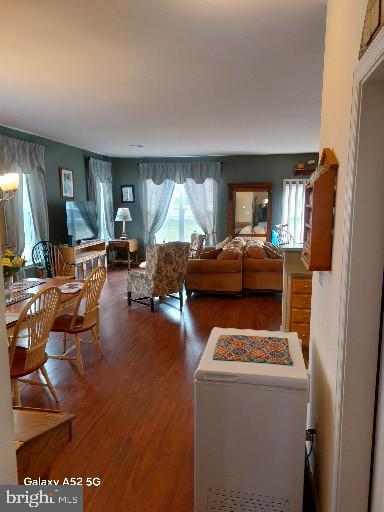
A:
(227, 255)
(256, 252)
(272, 251)
(211, 254)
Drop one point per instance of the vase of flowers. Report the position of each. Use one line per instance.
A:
(11, 264)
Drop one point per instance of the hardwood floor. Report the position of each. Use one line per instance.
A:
(134, 425)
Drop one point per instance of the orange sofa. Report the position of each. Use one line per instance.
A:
(234, 276)
(262, 273)
(215, 275)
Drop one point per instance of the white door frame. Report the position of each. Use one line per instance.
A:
(360, 294)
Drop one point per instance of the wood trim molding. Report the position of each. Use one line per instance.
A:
(369, 63)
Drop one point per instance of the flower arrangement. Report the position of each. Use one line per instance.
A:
(11, 262)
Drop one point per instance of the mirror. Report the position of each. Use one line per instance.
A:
(250, 210)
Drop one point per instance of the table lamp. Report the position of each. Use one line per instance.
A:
(123, 214)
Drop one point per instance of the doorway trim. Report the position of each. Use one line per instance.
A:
(354, 379)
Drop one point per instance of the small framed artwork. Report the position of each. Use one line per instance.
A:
(127, 194)
(66, 183)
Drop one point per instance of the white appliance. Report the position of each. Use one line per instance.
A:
(250, 430)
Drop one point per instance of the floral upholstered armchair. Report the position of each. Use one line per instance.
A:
(164, 274)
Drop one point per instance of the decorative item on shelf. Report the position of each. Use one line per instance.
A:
(123, 215)
(9, 183)
(127, 194)
(11, 263)
(66, 183)
(304, 169)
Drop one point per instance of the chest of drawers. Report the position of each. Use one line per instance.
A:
(299, 314)
(297, 293)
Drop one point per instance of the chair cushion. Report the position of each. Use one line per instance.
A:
(62, 324)
(18, 363)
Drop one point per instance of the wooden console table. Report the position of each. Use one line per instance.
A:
(40, 435)
(129, 246)
(86, 256)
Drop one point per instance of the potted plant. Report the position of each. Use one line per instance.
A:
(11, 264)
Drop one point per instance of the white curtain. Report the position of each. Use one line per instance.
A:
(293, 207)
(25, 158)
(203, 200)
(156, 199)
(100, 191)
(201, 185)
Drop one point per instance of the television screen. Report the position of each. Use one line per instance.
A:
(82, 220)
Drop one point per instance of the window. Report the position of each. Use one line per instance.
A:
(293, 207)
(180, 222)
(29, 227)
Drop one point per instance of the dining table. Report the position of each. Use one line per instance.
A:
(33, 286)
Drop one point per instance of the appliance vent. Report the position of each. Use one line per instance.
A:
(224, 500)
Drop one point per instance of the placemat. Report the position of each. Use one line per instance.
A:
(253, 349)
(14, 299)
(21, 286)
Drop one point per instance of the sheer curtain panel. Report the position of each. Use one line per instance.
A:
(100, 191)
(293, 207)
(203, 200)
(25, 158)
(156, 199)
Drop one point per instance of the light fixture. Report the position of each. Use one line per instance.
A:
(124, 215)
(136, 146)
(9, 183)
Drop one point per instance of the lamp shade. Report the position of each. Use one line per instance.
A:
(9, 181)
(123, 214)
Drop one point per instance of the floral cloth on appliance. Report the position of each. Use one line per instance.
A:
(253, 349)
(165, 270)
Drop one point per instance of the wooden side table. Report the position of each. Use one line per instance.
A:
(130, 245)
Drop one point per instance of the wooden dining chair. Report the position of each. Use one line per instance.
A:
(33, 327)
(84, 318)
(49, 261)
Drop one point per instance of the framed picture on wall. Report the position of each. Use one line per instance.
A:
(66, 182)
(127, 194)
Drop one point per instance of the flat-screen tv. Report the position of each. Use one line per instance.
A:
(82, 220)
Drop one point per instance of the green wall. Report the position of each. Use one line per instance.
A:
(235, 169)
(59, 155)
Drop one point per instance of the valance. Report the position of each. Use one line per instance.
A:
(16, 155)
(179, 172)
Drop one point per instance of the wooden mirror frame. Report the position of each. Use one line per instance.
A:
(248, 187)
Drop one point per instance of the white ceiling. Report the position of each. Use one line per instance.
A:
(181, 77)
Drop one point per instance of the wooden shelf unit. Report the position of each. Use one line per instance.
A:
(319, 214)
(86, 256)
